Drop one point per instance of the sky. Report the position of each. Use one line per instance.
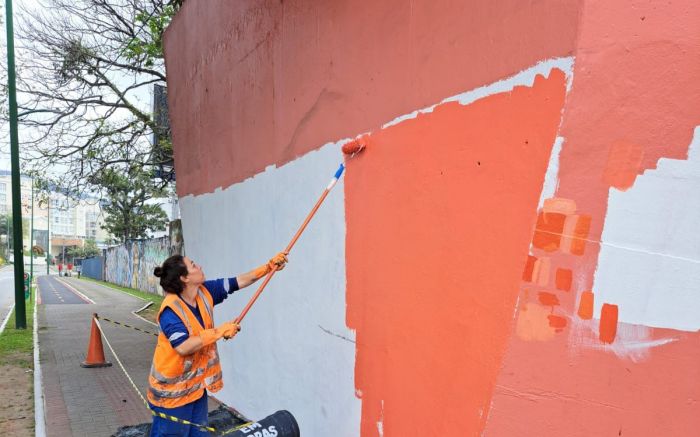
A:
(19, 7)
(143, 97)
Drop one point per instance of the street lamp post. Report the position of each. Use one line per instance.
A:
(20, 309)
(48, 231)
(31, 242)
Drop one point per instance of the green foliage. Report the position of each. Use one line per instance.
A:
(87, 66)
(76, 60)
(6, 224)
(129, 216)
(88, 250)
(146, 47)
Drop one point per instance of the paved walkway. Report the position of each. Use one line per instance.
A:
(92, 402)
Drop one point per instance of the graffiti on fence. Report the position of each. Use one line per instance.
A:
(131, 264)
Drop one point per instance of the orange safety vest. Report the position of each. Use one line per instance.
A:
(176, 380)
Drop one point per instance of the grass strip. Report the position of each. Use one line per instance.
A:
(16, 345)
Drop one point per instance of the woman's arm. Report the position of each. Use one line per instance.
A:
(206, 337)
(190, 346)
(278, 262)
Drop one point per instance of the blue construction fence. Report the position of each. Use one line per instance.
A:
(93, 268)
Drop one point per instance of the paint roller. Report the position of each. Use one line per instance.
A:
(350, 149)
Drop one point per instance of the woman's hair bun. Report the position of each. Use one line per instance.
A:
(158, 271)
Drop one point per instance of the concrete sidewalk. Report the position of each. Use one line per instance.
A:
(93, 402)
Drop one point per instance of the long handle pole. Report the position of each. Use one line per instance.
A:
(291, 244)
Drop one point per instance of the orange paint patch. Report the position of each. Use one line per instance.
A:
(578, 242)
(529, 268)
(560, 205)
(449, 169)
(550, 226)
(563, 279)
(541, 272)
(608, 323)
(557, 322)
(624, 163)
(532, 323)
(585, 306)
(548, 299)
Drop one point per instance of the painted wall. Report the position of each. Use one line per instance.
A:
(131, 264)
(513, 254)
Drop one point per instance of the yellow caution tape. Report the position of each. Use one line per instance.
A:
(125, 325)
(145, 402)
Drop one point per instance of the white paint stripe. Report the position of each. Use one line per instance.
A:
(80, 295)
(551, 181)
(524, 78)
(7, 318)
(39, 418)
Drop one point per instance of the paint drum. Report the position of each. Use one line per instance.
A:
(279, 424)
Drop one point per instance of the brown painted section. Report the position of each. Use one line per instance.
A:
(255, 83)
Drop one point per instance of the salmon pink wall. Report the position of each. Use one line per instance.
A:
(281, 78)
(517, 242)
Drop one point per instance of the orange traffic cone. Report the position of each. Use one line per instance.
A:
(95, 352)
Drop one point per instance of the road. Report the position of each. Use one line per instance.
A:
(53, 291)
(7, 291)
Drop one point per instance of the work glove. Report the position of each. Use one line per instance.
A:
(229, 329)
(276, 262)
(225, 330)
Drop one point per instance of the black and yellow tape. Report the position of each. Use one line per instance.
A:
(145, 402)
(125, 325)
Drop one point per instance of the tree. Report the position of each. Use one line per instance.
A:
(129, 215)
(85, 76)
(88, 250)
(7, 229)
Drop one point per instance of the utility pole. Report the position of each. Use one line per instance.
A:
(31, 243)
(20, 310)
(48, 230)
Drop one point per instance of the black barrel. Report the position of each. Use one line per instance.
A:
(279, 424)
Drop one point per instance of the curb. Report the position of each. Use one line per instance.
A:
(39, 418)
(135, 312)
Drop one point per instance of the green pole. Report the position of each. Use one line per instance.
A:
(48, 230)
(31, 243)
(20, 310)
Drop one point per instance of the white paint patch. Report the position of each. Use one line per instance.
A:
(523, 78)
(632, 342)
(289, 354)
(380, 422)
(551, 177)
(649, 264)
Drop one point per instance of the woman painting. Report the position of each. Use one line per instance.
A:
(186, 362)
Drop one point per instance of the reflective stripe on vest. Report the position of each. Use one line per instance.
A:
(176, 380)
